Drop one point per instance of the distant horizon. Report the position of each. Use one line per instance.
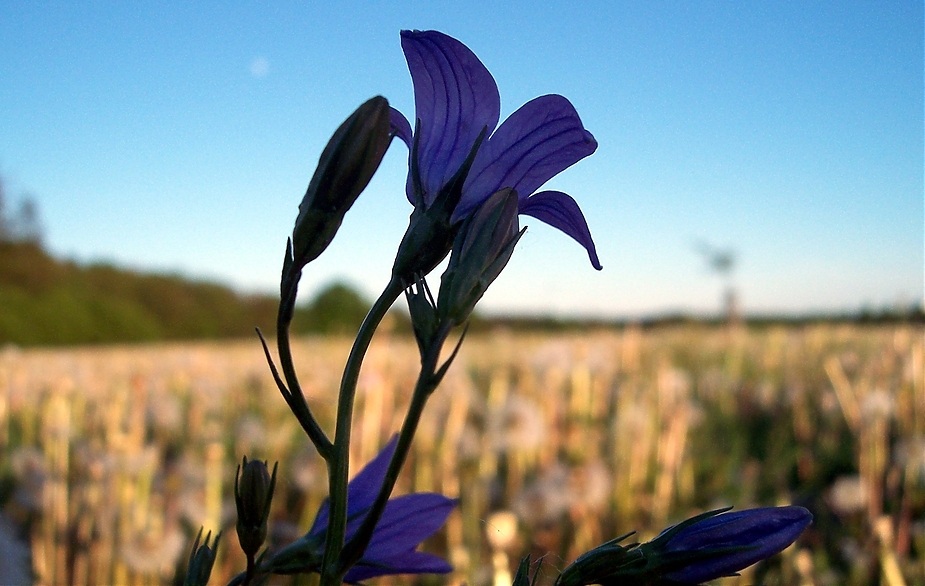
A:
(176, 138)
(665, 313)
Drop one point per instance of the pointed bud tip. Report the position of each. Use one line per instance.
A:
(345, 168)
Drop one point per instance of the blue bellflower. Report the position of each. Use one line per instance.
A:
(457, 110)
(406, 522)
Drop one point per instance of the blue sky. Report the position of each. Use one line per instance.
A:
(180, 136)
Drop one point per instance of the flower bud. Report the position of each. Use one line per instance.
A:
(344, 170)
(253, 493)
(703, 548)
(481, 250)
(721, 543)
(201, 560)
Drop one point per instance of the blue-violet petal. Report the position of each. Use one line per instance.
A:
(541, 139)
(455, 99)
(560, 211)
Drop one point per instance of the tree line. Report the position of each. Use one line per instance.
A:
(46, 301)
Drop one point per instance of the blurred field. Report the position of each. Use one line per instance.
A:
(112, 457)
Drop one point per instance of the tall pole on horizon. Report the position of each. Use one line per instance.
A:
(722, 261)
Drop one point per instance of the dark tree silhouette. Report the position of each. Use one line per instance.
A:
(22, 225)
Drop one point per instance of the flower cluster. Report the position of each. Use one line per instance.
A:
(469, 180)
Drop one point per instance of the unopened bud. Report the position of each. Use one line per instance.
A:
(720, 543)
(345, 168)
(201, 560)
(703, 548)
(481, 250)
(253, 493)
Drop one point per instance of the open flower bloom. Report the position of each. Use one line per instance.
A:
(406, 522)
(457, 109)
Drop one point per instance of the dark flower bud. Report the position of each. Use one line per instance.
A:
(345, 168)
(721, 543)
(703, 548)
(201, 560)
(481, 250)
(253, 493)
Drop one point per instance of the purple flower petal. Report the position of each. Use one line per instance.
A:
(400, 127)
(455, 99)
(560, 211)
(412, 562)
(407, 521)
(541, 139)
(361, 491)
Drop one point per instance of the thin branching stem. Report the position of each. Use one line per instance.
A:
(294, 397)
(428, 379)
(338, 465)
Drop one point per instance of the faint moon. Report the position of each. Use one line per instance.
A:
(260, 67)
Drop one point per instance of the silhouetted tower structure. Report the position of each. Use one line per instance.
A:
(722, 262)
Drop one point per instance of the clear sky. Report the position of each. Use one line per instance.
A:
(180, 136)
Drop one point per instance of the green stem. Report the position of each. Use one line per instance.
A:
(338, 465)
(426, 383)
(296, 398)
(251, 568)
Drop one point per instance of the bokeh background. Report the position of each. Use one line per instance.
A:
(755, 337)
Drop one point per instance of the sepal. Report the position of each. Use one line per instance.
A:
(431, 229)
(201, 560)
(424, 319)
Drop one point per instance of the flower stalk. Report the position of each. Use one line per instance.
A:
(428, 380)
(332, 571)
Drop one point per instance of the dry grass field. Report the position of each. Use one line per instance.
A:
(112, 457)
